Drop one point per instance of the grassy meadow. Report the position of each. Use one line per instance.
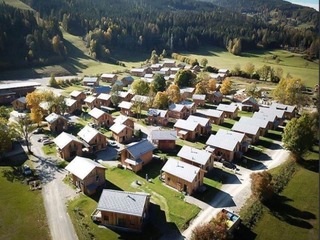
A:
(22, 211)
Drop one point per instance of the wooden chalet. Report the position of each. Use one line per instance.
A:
(92, 139)
(68, 146)
(101, 118)
(164, 139)
(19, 104)
(158, 117)
(57, 123)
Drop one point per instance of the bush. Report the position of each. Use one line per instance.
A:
(251, 212)
(203, 232)
(62, 164)
(281, 179)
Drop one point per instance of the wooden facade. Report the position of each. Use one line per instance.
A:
(19, 105)
(123, 136)
(145, 158)
(166, 144)
(105, 120)
(71, 150)
(59, 125)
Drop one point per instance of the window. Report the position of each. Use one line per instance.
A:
(97, 178)
(106, 218)
(168, 179)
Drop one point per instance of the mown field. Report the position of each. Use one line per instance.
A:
(297, 214)
(290, 62)
(22, 211)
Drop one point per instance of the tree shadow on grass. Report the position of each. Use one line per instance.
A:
(268, 144)
(227, 125)
(273, 136)
(250, 163)
(152, 169)
(280, 208)
(257, 155)
(13, 174)
(244, 233)
(311, 164)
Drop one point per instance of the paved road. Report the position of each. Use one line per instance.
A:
(55, 194)
(234, 194)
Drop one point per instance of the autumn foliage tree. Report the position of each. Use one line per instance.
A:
(161, 100)
(261, 186)
(226, 86)
(140, 87)
(185, 78)
(202, 87)
(173, 92)
(212, 85)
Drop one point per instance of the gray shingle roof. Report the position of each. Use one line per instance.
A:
(188, 104)
(96, 113)
(88, 133)
(186, 125)
(245, 128)
(272, 111)
(64, 139)
(264, 116)
(181, 169)
(254, 121)
(226, 108)
(75, 93)
(53, 117)
(117, 127)
(157, 112)
(82, 167)
(163, 135)
(222, 142)
(210, 113)
(286, 108)
(123, 202)
(194, 155)
(200, 120)
(140, 148)
(125, 105)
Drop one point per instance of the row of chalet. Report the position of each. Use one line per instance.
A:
(118, 209)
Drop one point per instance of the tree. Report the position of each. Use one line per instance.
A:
(236, 70)
(253, 91)
(24, 129)
(237, 47)
(53, 82)
(140, 87)
(298, 135)
(137, 107)
(4, 112)
(7, 134)
(203, 232)
(161, 100)
(204, 62)
(159, 83)
(226, 86)
(249, 68)
(289, 91)
(264, 72)
(202, 87)
(261, 186)
(36, 115)
(185, 78)
(173, 93)
(212, 84)
(115, 96)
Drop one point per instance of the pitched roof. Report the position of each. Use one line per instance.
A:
(222, 133)
(210, 112)
(69, 101)
(104, 96)
(254, 121)
(181, 169)
(96, 113)
(272, 111)
(24, 84)
(90, 79)
(194, 154)
(200, 120)
(187, 90)
(128, 203)
(176, 107)
(226, 108)
(286, 108)
(75, 93)
(88, 133)
(90, 99)
(264, 116)
(218, 94)
(186, 125)
(64, 139)
(82, 167)
(138, 70)
(125, 105)
(250, 99)
(121, 119)
(163, 135)
(21, 99)
(117, 127)
(123, 94)
(108, 75)
(199, 97)
(54, 117)
(218, 141)
(245, 128)
(188, 104)
(139, 148)
(157, 112)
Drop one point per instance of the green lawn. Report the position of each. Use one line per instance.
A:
(245, 114)
(290, 62)
(297, 213)
(198, 145)
(22, 211)
(50, 149)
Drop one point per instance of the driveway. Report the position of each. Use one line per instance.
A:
(55, 193)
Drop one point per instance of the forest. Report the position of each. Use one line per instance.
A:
(174, 25)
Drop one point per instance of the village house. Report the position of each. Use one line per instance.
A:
(125, 96)
(68, 146)
(204, 124)
(272, 111)
(78, 95)
(186, 92)
(138, 72)
(126, 81)
(144, 100)
(137, 154)
(199, 99)
(272, 119)
(262, 124)
(104, 100)
(217, 76)
(45, 107)
(174, 70)
(97, 90)
(227, 145)
(215, 116)
(165, 71)
(215, 97)
(90, 81)
(182, 176)
(123, 210)
(56, 123)
(223, 71)
(178, 111)
(196, 157)
(91, 102)
(101, 118)
(289, 111)
(164, 139)
(109, 77)
(251, 131)
(169, 63)
(19, 104)
(121, 132)
(126, 108)
(250, 104)
(156, 67)
(158, 117)
(92, 139)
(187, 130)
(72, 105)
(125, 120)
(87, 175)
(191, 107)
(229, 111)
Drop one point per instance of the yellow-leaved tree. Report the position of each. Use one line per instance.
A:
(226, 86)
(173, 92)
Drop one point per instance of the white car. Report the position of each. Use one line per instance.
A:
(47, 142)
(112, 144)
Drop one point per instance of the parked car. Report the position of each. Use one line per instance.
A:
(26, 170)
(112, 144)
(229, 165)
(38, 130)
(43, 138)
(47, 142)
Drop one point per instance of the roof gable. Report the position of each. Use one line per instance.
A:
(163, 135)
(194, 155)
(139, 148)
(63, 139)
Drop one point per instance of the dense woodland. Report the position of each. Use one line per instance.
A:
(145, 25)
